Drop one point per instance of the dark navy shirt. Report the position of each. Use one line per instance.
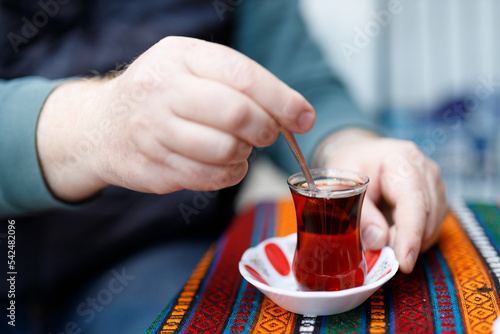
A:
(59, 249)
(61, 38)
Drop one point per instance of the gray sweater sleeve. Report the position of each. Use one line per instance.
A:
(22, 187)
(273, 33)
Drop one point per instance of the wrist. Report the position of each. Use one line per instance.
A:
(66, 147)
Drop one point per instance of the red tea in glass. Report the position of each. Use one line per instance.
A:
(328, 255)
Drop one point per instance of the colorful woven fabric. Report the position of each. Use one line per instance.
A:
(453, 289)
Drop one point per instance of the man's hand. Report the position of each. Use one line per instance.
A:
(185, 114)
(405, 203)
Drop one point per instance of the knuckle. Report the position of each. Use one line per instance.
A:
(138, 123)
(167, 40)
(195, 175)
(412, 236)
(418, 193)
(442, 193)
(268, 134)
(238, 117)
(145, 83)
(237, 172)
(410, 145)
(244, 150)
(171, 41)
(411, 148)
(167, 186)
(287, 112)
(435, 169)
(138, 86)
(158, 188)
(228, 175)
(242, 75)
(227, 149)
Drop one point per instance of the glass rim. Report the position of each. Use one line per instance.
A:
(361, 180)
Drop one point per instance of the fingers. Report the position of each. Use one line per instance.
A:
(438, 205)
(374, 227)
(205, 128)
(408, 185)
(175, 172)
(194, 175)
(204, 144)
(226, 66)
(410, 218)
(431, 190)
(187, 110)
(221, 107)
(193, 152)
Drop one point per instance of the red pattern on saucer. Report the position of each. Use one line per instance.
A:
(268, 267)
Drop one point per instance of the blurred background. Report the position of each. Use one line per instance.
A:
(429, 71)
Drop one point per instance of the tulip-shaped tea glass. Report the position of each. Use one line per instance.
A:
(329, 255)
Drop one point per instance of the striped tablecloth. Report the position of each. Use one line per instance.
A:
(453, 289)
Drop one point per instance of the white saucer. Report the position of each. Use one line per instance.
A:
(268, 267)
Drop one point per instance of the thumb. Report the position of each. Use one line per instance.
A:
(374, 227)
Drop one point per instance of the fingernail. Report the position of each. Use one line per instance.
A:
(411, 259)
(371, 235)
(306, 120)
